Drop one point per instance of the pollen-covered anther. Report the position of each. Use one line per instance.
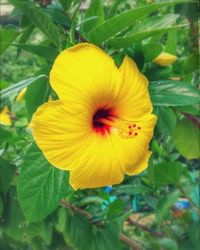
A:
(127, 130)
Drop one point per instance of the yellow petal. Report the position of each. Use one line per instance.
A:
(132, 151)
(165, 59)
(97, 166)
(140, 166)
(5, 116)
(134, 100)
(61, 131)
(85, 72)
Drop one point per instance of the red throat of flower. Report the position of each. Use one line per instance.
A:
(103, 120)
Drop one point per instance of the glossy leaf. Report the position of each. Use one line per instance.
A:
(186, 139)
(41, 186)
(16, 87)
(118, 23)
(173, 93)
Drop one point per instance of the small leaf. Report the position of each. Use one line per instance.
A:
(36, 94)
(40, 20)
(186, 139)
(168, 244)
(164, 205)
(65, 4)
(166, 119)
(47, 53)
(16, 87)
(151, 51)
(95, 10)
(6, 37)
(171, 42)
(173, 93)
(166, 173)
(41, 186)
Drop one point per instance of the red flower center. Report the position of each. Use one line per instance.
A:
(98, 125)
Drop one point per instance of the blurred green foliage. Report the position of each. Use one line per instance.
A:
(158, 209)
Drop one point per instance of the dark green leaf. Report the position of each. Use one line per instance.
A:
(6, 173)
(115, 208)
(173, 93)
(116, 24)
(114, 7)
(5, 134)
(189, 147)
(39, 19)
(95, 10)
(41, 186)
(36, 94)
(6, 37)
(16, 87)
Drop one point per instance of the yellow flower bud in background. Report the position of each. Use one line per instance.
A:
(165, 59)
(5, 116)
(21, 95)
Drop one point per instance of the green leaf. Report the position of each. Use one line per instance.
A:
(6, 174)
(115, 208)
(171, 41)
(107, 238)
(168, 244)
(40, 20)
(16, 87)
(151, 26)
(47, 53)
(78, 232)
(6, 37)
(16, 227)
(186, 139)
(173, 93)
(166, 173)
(114, 7)
(25, 36)
(166, 120)
(151, 51)
(95, 10)
(5, 134)
(65, 4)
(191, 63)
(118, 23)
(1, 206)
(41, 186)
(164, 205)
(36, 94)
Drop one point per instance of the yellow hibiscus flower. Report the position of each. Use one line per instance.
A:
(101, 126)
